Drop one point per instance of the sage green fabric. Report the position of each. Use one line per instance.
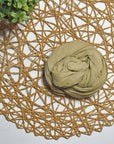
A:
(77, 69)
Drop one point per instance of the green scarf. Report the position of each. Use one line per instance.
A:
(77, 69)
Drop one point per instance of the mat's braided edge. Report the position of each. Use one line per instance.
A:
(25, 97)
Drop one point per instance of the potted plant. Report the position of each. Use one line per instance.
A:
(14, 11)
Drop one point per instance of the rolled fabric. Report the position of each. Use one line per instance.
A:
(76, 69)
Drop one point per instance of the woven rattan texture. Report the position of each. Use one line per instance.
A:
(25, 97)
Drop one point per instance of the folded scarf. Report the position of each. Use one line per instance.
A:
(76, 69)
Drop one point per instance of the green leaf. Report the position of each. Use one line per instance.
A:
(19, 5)
(13, 14)
(14, 20)
(16, 10)
(9, 2)
(25, 8)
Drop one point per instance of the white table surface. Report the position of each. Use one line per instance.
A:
(9, 134)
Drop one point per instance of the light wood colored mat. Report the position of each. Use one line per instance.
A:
(25, 97)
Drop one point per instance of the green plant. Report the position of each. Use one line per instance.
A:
(16, 10)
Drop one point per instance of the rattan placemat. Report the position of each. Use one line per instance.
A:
(25, 97)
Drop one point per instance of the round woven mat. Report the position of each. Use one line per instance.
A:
(25, 97)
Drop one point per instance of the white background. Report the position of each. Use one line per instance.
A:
(9, 134)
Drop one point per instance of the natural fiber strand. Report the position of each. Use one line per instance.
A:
(25, 97)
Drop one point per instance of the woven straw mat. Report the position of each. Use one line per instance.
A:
(25, 97)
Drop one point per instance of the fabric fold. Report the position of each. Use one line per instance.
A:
(77, 69)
